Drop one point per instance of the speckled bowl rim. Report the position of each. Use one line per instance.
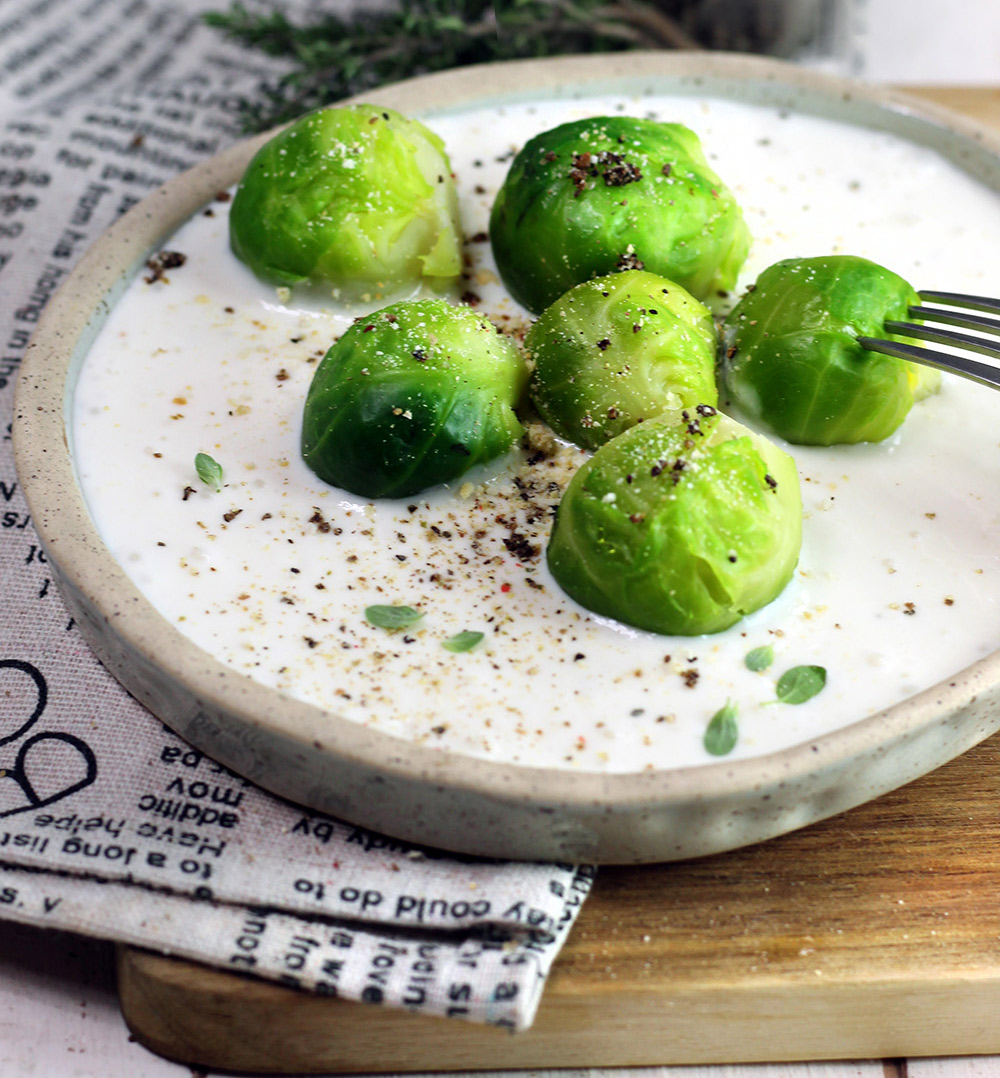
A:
(636, 816)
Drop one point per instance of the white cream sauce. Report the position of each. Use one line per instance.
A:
(899, 579)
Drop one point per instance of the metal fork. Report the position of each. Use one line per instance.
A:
(984, 373)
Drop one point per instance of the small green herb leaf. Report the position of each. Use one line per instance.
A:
(209, 471)
(801, 683)
(463, 641)
(759, 658)
(722, 731)
(392, 617)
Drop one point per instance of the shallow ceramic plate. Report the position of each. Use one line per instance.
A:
(406, 789)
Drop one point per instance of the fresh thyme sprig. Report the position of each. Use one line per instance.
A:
(335, 57)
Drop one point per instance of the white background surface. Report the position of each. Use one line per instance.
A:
(924, 41)
(59, 1016)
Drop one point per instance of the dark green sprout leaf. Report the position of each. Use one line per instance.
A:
(791, 361)
(209, 471)
(360, 198)
(616, 349)
(561, 216)
(392, 617)
(463, 641)
(759, 658)
(801, 683)
(412, 396)
(722, 731)
(682, 525)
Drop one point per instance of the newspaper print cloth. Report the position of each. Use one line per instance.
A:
(109, 824)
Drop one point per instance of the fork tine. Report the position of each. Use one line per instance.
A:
(944, 336)
(956, 318)
(983, 373)
(960, 299)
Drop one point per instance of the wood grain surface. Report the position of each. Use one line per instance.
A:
(872, 935)
(875, 934)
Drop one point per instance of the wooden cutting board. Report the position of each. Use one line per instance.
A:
(875, 934)
(872, 935)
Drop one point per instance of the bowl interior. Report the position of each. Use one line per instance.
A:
(449, 799)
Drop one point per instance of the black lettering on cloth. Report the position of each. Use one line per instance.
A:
(48, 766)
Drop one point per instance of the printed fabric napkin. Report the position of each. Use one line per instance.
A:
(109, 824)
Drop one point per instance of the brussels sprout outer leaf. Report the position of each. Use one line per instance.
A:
(412, 396)
(923, 381)
(679, 533)
(791, 360)
(619, 349)
(359, 196)
(594, 196)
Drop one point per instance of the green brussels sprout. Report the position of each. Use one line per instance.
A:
(619, 349)
(411, 396)
(681, 525)
(614, 192)
(358, 197)
(791, 360)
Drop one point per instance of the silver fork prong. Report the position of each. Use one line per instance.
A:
(957, 318)
(960, 299)
(970, 368)
(945, 336)
(983, 373)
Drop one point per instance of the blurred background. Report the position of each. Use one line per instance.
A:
(925, 41)
(335, 48)
(882, 40)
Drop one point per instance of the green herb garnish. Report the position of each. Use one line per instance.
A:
(801, 683)
(332, 57)
(722, 731)
(759, 658)
(209, 471)
(463, 641)
(392, 617)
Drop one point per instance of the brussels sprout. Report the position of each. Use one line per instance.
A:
(411, 396)
(681, 525)
(609, 193)
(358, 197)
(619, 349)
(791, 360)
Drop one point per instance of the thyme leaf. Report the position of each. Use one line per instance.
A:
(800, 683)
(759, 658)
(392, 617)
(209, 471)
(333, 57)
(722, 731)
(463, 641)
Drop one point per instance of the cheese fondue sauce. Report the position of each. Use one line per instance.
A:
(899, 578)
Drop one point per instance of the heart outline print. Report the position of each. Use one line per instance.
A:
(38, 758)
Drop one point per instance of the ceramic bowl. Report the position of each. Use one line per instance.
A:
(408, 790)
